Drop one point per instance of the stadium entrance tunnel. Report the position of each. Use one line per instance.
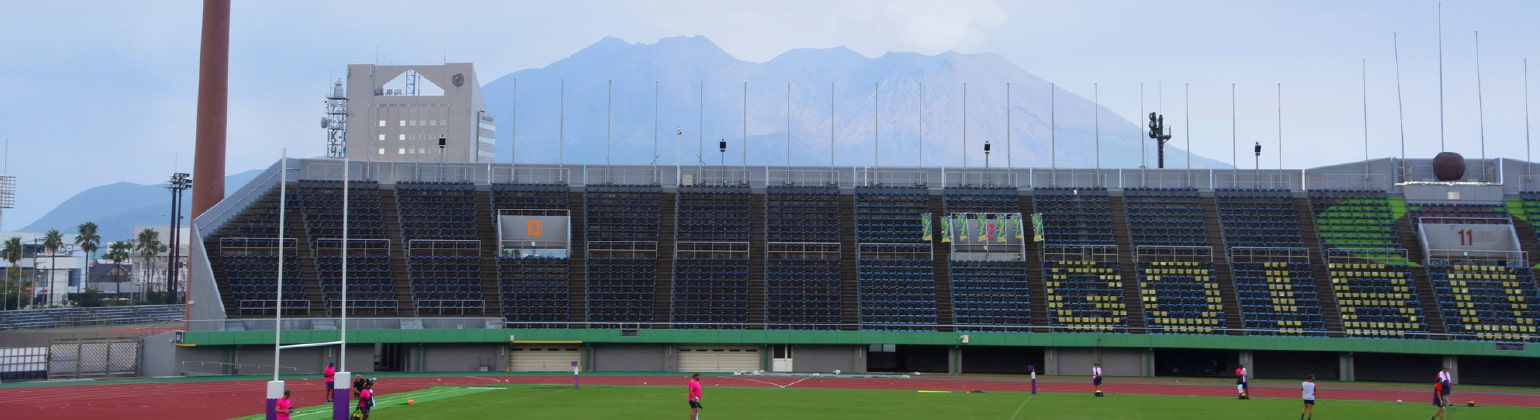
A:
(1015, 360)
(1196, 362)
(1383, 367)
(1325, 366)
(906, 358)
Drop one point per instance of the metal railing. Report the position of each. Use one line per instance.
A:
(998, 178)
(1271, 180)
(708, 176)
(1161, 178)
(872, 177)
(803, 177)
(1069, 178)
(523, 174)
(1338, 181)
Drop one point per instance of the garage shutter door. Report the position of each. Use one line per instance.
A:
(542, 358)
(718, 358)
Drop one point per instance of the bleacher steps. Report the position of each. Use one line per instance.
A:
(1035, 274)
(1425, 294)
(399, 273)
(1224, 274)
(663, 289)
(1330, 312)
(486, 231)
(1126, 267)
(945, 307)
(311, 277)
(757, 272)
(577, 266)
(850, 294)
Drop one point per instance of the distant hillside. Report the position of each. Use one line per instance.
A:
(679, 66)
(117, 208)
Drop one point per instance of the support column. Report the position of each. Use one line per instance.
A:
(1345, 366)
(1050, 365)
(274, 392)
(954, 359)
(1453, 363)
(341, 395)
(1247, 360)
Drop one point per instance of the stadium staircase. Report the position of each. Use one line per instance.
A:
(577, 266)
(1526, 220)
(849, 267)
(1330, 312)
(1224, 274)
(1035, 277)
(945, 312)
(1426, 296)
(1131, 294)
(406, 302)
(491, 286)
(757, 273)
(663, 289)
(307, 266)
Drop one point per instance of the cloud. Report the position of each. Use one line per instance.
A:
(931, 27)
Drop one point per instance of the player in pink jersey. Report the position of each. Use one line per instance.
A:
(330, 373)
(285, 406)
(694, 396)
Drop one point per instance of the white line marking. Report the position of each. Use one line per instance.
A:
(794, 383)
(1023, 405)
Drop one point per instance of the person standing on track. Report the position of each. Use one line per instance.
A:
(1240, 383)
(330, 373)
(1096, 377)
(1446, 380)
(694, 396)
(366, 399)
(1308, 393)
(285, 406)
(1438, 400)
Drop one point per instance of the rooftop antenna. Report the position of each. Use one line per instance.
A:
(1481, 116)
(336, 123)
(1395, 40)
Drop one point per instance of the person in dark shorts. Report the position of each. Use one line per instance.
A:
(366, 399)
(1241, 387)
(1448, 384)
(1438, 400)
(330, 374)
(1308, 393)
(1096, 377)
(694, 396)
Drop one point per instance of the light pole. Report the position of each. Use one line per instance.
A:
(1257, 164)
(180, 181)
(722, 147)
(441, 158)
(986, 154)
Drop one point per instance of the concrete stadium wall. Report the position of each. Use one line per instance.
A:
(816, 358)
(460, 357)
(1078, 361)
(633, 358)
(1511, 371)
(158, 355)
(1381, 367)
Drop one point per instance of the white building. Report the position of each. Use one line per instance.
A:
(398, 113)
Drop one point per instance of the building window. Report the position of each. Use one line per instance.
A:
(403, 137)
(382, 150)
(382, 123)
(401, 151)
(403, 123)
(382, 137)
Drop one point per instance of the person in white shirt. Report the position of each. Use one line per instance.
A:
(1240, 383)
(1308, 393)
(1096, 378)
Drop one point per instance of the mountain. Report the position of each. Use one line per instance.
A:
(118, 207)
(682, 66)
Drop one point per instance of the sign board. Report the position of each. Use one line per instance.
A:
(534, 232)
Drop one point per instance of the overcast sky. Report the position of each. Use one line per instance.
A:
(102, 91)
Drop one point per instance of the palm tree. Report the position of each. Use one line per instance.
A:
(148, 244)
(52, 241)
(117, 252)
(87, 240)
(11, 252)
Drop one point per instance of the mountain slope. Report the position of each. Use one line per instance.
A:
(682, 67)
(116, 208)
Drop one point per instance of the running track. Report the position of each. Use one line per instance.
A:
(233, 398)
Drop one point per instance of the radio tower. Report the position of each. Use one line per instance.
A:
(336, 123)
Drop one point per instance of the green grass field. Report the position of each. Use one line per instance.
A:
(645, 402)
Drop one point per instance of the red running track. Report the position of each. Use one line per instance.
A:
(233, 398)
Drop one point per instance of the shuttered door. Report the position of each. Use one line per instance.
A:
(542, 358)
(718, 358)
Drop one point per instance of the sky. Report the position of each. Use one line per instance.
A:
(106, 91)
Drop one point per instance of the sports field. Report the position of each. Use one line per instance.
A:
(649, 402)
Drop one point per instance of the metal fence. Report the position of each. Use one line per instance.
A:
(93, 358)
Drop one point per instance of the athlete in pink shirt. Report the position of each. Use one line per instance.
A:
(694, 396)
(366, 400)
(331, 375)
(285, 406)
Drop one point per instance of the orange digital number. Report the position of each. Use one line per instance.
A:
(533, 228)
